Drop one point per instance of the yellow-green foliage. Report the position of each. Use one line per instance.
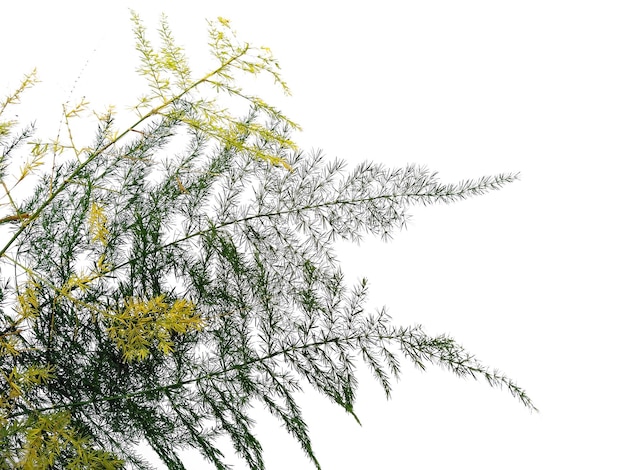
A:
(14, 98)
(7, 127)
(97, 223)
(144, 324)
(40, 438)
(27, 302)
(170, 79)
(48, 435)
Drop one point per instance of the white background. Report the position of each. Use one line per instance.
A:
(530, 278)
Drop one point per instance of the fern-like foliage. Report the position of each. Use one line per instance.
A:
(182, 270)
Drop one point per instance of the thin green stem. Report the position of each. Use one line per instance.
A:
(461, 365)
(111, 143)
(337, 202)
